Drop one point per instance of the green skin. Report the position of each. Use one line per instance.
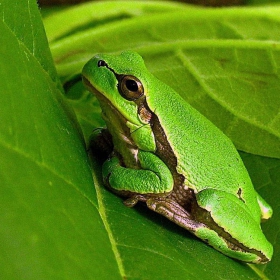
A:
(169, 156)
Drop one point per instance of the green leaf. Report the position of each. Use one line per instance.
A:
(32, 37)
(261, 2)
(54, 224)
(63, 23)
(224, 62)
(50, 226)
(165, 59)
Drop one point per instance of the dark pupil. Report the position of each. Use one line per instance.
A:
(131, 85)
(101, 63)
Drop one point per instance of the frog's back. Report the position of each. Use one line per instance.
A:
(206, 157)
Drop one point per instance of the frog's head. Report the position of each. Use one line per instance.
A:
(120, 83)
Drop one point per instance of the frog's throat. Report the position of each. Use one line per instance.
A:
(116, 123)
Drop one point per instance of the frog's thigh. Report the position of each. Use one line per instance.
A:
(233, 215)
(174, 212)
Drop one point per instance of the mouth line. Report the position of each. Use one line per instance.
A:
(92, 89)
(102, 99)
(89, 86)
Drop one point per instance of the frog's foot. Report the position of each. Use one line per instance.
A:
(174, 212)
(131, 201)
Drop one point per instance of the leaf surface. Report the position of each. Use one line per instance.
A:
(57, 221)
(50, 225)
(217, 60)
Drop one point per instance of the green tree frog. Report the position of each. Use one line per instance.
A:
(169, 156)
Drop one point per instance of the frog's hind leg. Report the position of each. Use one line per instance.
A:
(174, 212)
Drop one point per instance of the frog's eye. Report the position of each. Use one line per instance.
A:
(102, 63)
(130, 87)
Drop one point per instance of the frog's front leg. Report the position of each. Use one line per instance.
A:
(153, 176)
